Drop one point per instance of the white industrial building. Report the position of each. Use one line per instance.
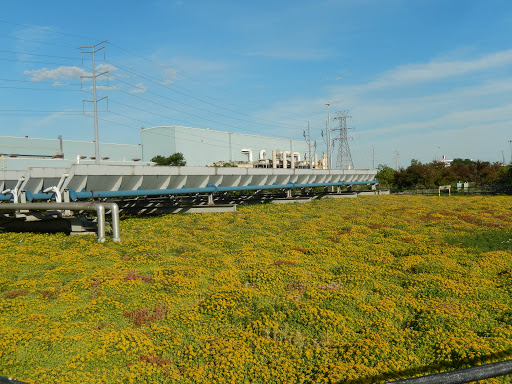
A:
(200, 147)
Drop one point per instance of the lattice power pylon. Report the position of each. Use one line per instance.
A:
(344, 160)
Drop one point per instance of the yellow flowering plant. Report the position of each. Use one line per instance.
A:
(334, 291)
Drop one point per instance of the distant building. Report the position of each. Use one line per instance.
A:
(19, 153)
(200, 147)
(446, 162)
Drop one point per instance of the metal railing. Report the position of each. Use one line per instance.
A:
(100, 209)
(465, 375)
(482, 190)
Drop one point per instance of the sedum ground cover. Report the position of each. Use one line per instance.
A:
(359, 290)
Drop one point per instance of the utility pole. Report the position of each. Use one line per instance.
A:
(92, 51)
(329, 152)
(344, 160)
(308, 140)
(510, 143)
(397, 159)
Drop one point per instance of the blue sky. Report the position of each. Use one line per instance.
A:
(419, 78)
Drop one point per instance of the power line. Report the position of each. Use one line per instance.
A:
(201, 82)
(184, 112)
(37, 41)
(35, 110)
(222, 142)
(148, 78)
(46, 30)
(42, 89)
(37, 54)
(38, 82)
(34, 113)
(195, 107)
(151, 113)
(188, 105)
(39, 62)
(74, 35)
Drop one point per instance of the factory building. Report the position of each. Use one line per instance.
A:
(200, 147)
(20, 153)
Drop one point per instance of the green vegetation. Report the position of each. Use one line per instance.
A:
(432, 175)
(176, 159)
(362, 290)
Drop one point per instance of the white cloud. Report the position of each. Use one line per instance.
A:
(288, 54)
(65, 73)
(140, 88)
(170, 76)
(383, 110)
(436, 70)
(468, 117)
(194, 67)
(59, 73)
(105, 87)
(455, 120)
(105, 68)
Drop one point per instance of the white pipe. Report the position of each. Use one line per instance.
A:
(262, 154)
(296, 154)
(11, 191)
(100, 214)
(14, 191)
(285, 160)
(274, 159)
(114, 212)
(292, 160)
(249, 152)
(98, 207)
(56, 190)
(315, 163)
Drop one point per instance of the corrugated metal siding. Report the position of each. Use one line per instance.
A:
(199, 146)
(202, 146)
(34, 152)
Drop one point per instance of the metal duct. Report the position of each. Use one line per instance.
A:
(98, 207)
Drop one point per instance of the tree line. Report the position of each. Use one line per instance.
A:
(436, 173)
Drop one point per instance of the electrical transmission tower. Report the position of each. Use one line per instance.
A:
(344, 160)
(310, 144)
(95, 100)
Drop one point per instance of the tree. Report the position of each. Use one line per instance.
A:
(461, 161)
(176, 159)
(436, 173)
(385, 175)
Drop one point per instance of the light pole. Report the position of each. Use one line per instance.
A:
(510, 143)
